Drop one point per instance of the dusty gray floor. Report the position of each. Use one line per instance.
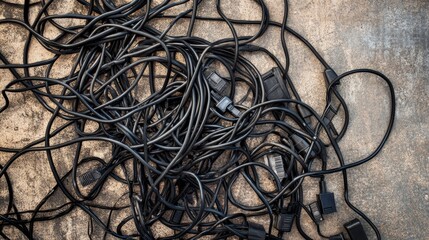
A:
(390, 36)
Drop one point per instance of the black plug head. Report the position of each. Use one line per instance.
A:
(256, 232)
(355, 230)
(303, 146)
(177, 215)
(91, 176)
(220, 85)
(284, 220)
(274, 85)
(327, 202)
(330, 76)
(317, 214)
(326, 199)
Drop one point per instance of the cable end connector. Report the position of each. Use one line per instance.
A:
(305, 114)
(91, 176)
(315, 211)
(327, 119)
(326, 200)
(274, 85)
(233, 110)
(286, 217)
(218, 84)
(249, 48)
(302, 146)
(275, 162)
(177, 215)
(256, 232)
(330, 76)
(224, 103)
(285, 222)
(355, 230)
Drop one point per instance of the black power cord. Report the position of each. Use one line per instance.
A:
(178, 114)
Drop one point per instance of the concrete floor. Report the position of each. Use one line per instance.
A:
(390, 36)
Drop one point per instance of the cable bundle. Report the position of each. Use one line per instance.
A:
(184, 120)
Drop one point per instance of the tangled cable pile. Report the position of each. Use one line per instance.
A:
(184, 117)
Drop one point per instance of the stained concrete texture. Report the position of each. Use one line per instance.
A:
(390, 36)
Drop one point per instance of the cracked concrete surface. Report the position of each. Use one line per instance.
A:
(389, 36)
